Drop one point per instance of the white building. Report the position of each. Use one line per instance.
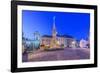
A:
(57, 41)
(83, 43)
(61, 40)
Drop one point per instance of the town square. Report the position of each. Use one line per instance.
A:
(54, 46)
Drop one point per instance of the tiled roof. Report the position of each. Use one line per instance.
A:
(66, 36)
(49, 36)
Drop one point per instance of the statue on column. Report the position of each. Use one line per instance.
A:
(54, 36)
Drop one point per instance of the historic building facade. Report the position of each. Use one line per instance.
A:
(61, 41)
(57, 41)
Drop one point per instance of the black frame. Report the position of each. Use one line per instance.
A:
(14, 5)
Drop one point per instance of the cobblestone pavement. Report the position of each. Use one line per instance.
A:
(63, 54)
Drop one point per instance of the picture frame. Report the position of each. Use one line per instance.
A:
(17, 26)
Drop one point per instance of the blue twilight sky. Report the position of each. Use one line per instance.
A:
(74, 24)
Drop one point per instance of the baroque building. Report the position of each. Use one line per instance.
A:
(57, 41)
